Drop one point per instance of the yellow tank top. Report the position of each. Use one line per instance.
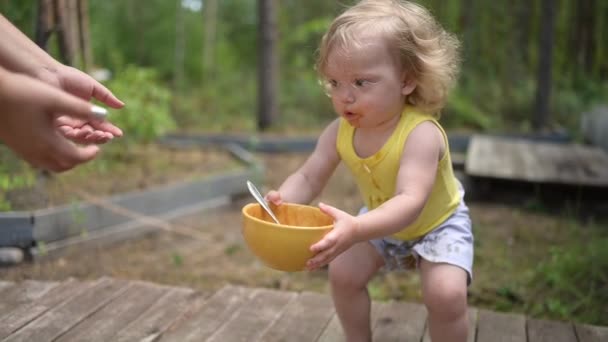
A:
(376, 175)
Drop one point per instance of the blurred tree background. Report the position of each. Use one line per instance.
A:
(205, 53)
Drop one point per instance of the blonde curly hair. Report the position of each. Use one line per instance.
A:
(428, 53)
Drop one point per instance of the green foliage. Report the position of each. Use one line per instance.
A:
(232, 249)
(498, 80)
(304, 103)
(140, 32)
(461, 111)
(42, 248)
(177, 259)
(14, 174)
(228, 105)
(573, 283)
(79, 218)
(21, 14)
(572, 98)
(146, 115)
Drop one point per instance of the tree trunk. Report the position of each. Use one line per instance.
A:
(268, 64)
(62, 26)
(180, 46)
(73, 31)
(84, 35)
(44, 23)
(523, 31)
(543, 88)
(210, 22)
(582, 39)
(589, 25)
(135, 23)
(468, 25)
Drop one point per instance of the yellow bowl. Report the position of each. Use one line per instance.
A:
(284, 246)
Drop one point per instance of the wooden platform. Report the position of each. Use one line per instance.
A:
(117, 310)
(525, 160)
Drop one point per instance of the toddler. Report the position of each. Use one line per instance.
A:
(388, 67)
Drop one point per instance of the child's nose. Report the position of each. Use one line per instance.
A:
(346, 95)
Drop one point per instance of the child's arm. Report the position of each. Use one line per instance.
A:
(307, 182)
(415, 180)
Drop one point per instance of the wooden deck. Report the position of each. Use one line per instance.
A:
(117, 310)
(523, 160)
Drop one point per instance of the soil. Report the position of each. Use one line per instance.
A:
(510, 242)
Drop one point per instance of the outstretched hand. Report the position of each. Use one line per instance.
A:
(85, 87)
(79, 84)
(339, 239)
(31, 108)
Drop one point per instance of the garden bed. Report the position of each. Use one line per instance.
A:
(146, 181)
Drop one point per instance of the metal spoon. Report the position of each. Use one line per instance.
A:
(256, 194)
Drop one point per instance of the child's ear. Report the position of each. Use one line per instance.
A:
(408, 86)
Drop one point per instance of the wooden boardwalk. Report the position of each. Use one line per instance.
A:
(117, 310)
(523, 160)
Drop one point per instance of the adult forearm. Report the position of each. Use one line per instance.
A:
(19, 54)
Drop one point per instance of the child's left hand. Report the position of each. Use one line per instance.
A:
(339, 239)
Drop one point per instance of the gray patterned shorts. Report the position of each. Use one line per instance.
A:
(450, 243)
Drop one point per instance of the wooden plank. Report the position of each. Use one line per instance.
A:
(160, 316)
(473, 318)
(572, 164)
(122, 310)
(472, 327)
(25, 313)
(59, 320)
(5, 285)
(22, 293)
(594, 163)
(333, 332)
(550, 331)
(590, 333)
(500, 327)
(215, 312)
(400, 321)
(255, 316)
(303, 320)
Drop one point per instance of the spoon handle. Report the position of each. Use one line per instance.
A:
(256, 194)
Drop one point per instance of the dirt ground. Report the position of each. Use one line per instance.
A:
(509, 243)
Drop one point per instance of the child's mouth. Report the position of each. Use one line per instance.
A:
(350, 116)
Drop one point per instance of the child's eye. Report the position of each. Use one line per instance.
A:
(360, 83)
(333, 83)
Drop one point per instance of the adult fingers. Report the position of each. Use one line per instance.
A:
(106, 126)
(103, 94)
(68, 104)
(67, 155)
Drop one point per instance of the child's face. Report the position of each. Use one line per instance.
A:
(366, 84)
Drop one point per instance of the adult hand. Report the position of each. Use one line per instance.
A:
(30, 124)
(84, 86)
(339, 239)
(78, 83)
